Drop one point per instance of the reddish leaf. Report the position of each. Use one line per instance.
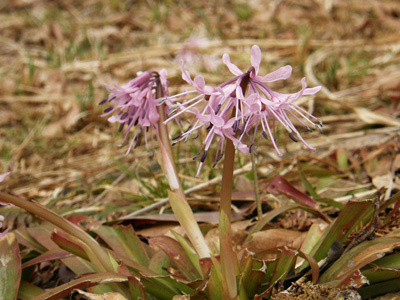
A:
(49, 255)
(206, 264)
(280, 185)
(67, 244)
(136, 288)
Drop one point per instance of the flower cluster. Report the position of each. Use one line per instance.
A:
(135, 104)
(245, 102)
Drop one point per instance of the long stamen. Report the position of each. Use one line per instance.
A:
(170, 117)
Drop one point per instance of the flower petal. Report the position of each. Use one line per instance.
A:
(281, 73)
(185, 74)
(256, 57)
(202, 118)
(217, 121)
(312, 91)
(233, 68)
(200, 84)
(4, 175)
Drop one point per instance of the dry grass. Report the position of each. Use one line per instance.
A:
(56, 55)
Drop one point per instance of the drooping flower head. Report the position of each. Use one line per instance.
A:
(134, 105)
(245, 102)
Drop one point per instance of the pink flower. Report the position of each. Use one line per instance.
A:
(135, 105)
(2, 177)
(242, 104)
(191, 54)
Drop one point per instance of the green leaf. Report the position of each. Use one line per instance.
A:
(136, 288)
(194, 258)
(283, 265)
(124, 240)
(312, 238)
(357, 258)
(341, 156)
(177, 254)
(307, 184)
(381, 288)
(252, 274)
(216, 288)
(376, 275)
(159, 287)
(28, 291)
(10, 267)
(242, 295)
(186, 218)
(389, 262)
(350, 217)
(159, 263)
(277, 270)
(85, 281)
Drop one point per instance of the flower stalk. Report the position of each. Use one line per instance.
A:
(256, 186)
(178, 201)
(227, 255)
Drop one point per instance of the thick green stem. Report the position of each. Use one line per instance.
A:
(256, 186)
(179, 204)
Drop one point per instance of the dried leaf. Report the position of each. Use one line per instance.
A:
(371, 117)
(64, 123)
(274, 238)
